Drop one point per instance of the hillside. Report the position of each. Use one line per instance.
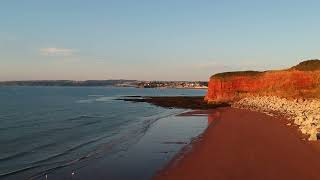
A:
(310, 65)
(65, 83)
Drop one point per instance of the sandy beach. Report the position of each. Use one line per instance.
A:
(242, 144)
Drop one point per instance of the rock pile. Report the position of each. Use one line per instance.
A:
(304, 113)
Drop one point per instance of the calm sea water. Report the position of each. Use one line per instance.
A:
(83, 132)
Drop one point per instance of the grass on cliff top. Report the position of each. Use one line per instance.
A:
(236, 73)
(309, 65)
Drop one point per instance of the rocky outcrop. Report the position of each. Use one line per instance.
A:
(301, 81)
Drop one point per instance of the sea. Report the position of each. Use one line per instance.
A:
(86, 133)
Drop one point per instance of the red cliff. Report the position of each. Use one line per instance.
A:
(302, 80)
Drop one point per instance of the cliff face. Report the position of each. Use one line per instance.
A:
(302, 80)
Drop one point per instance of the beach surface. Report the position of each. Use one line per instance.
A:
(242, 144)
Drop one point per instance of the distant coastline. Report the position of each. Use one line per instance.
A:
(116, 83)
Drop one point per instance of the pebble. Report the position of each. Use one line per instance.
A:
(303, 112)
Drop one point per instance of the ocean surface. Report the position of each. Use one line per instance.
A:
(85, 133)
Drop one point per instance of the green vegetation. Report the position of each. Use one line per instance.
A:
(236, 73)
(310, 65)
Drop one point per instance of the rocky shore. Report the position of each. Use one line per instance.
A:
(303, 112)
(181, 102)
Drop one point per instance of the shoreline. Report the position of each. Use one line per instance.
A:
(304, 113)
(244, 144)
(179, 102)
(243, 141)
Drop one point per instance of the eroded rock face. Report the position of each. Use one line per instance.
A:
(295, 82)
(294, 92)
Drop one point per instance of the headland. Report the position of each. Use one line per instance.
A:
(269, 132)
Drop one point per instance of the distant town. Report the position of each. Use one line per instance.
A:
(117, 83)
(172, 84)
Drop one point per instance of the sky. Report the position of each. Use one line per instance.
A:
(153, 39)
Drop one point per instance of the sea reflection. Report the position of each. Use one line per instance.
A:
(212, 115)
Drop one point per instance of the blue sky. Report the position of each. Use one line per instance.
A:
(153, 40)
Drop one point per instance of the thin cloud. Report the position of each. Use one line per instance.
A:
(57, 52)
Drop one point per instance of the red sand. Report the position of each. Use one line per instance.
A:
(241, 144)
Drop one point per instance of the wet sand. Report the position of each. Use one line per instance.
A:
(241, 144)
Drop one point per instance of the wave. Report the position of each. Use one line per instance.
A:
(70, 150)
(96, 99)
(31, 122)
(80, 117)
(127, 139)
(85, 101)
(95, 95)
(104, 99)
(40, 163)
(21, 154)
